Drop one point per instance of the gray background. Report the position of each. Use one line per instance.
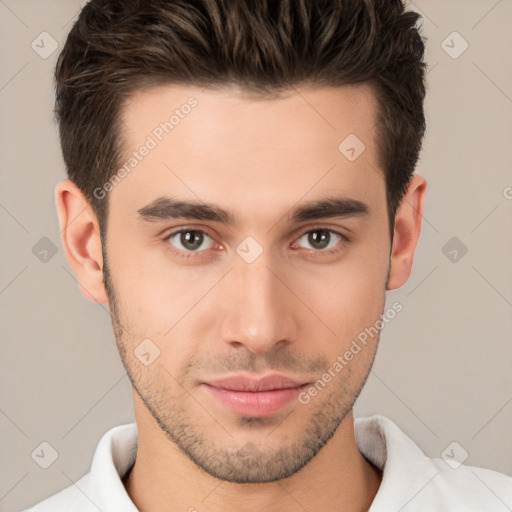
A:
(443, 369)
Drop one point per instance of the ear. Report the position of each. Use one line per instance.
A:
(81, 239)
(406, 232)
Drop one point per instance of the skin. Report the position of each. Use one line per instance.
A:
(293, 310)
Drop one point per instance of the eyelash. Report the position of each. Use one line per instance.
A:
(188, 254)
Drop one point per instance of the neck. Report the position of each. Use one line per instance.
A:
(163, 478)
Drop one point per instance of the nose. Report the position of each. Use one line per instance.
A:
(258, 307)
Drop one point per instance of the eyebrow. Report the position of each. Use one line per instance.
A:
(165, 208)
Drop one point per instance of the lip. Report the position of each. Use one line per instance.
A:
(257, 397)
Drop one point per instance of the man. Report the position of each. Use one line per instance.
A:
(241, 193)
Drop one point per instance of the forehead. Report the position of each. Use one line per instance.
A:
(223, 146)
(227, 109)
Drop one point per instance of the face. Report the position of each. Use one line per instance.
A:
(244, 245)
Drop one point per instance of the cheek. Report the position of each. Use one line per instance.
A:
(154, 293)
(161, 301)
(349, 306)
(347, 296)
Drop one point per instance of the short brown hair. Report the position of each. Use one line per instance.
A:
(117, 47)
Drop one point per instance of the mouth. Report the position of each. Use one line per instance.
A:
(255, 397)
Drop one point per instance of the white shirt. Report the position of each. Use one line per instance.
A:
(411, 481)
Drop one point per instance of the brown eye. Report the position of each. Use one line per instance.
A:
(321, 239)
(189, 240)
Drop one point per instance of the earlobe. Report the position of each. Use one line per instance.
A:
(407, 229)
(81, 239)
